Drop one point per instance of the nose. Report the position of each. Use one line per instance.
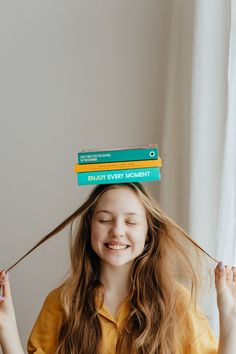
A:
(117, 229)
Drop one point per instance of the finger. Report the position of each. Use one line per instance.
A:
(6, 291)
(220, 266)
(2, 298)
(2, 276)
(228, 276)
(2, 281)
(234, 274)
(219, 275)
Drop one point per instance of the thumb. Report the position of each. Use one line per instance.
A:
(6, 291)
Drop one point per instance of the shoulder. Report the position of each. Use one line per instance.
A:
(53, 298)
(52, 306)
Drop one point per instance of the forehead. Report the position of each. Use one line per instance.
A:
(120, 200)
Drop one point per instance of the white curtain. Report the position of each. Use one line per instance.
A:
(199, 138)
(226, 230)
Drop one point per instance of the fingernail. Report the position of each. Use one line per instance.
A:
(7, 275)
(2, 298)
(221, 265)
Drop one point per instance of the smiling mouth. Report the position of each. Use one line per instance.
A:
(116, 247)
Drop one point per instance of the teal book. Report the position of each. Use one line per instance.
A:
(143, 152)
(119, 176)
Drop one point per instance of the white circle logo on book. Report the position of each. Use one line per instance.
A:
(152, 153)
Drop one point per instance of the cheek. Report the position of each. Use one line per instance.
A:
(140, 239)
(144, 236)
(94, 243)
(96, 237)
(93, 236)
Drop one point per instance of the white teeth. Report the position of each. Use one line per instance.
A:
(117, 247)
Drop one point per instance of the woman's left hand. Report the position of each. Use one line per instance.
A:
(225, 283)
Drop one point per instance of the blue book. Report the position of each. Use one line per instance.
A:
(143, 152)
(119, 176)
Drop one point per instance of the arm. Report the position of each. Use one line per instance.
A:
(9, 337)
(10, 341)
(227, 340)
(225, 283)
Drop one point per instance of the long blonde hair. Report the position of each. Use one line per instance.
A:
(153, 325)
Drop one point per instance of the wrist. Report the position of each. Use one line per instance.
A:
(227, 325)
(9, 326)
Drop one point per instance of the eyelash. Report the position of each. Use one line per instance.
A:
(104, 221)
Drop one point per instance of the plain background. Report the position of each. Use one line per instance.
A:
(73, 75)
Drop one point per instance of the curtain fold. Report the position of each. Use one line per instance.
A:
(226, 231)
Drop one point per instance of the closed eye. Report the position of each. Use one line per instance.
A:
(127, 222)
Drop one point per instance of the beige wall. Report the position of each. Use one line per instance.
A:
(74, 74)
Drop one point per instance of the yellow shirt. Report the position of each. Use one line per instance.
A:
(44, 335)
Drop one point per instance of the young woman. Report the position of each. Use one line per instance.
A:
(123, 293)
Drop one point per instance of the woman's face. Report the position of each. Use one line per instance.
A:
(119, 227)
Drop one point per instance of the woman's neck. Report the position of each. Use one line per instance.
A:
(116, 280)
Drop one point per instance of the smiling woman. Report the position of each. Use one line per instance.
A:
(119, 228)
(123, 294)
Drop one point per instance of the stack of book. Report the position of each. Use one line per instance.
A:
(121, 165)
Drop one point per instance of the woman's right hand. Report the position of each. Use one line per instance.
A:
(9, 336)
(7, 313)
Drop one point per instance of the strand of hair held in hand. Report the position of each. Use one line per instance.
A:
(70, 219)
(60, 227)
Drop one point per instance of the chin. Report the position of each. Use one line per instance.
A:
(118, 263)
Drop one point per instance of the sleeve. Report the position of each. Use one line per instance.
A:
(200, 339)
(44, 335)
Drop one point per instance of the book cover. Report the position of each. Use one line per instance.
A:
(119, 176)
(118, 155)
(117, 165)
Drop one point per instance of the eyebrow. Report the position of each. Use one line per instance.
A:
(109, 212)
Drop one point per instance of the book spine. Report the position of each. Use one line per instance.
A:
(122, 148)
(117, 165)
(118, 155)
(119, 176)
